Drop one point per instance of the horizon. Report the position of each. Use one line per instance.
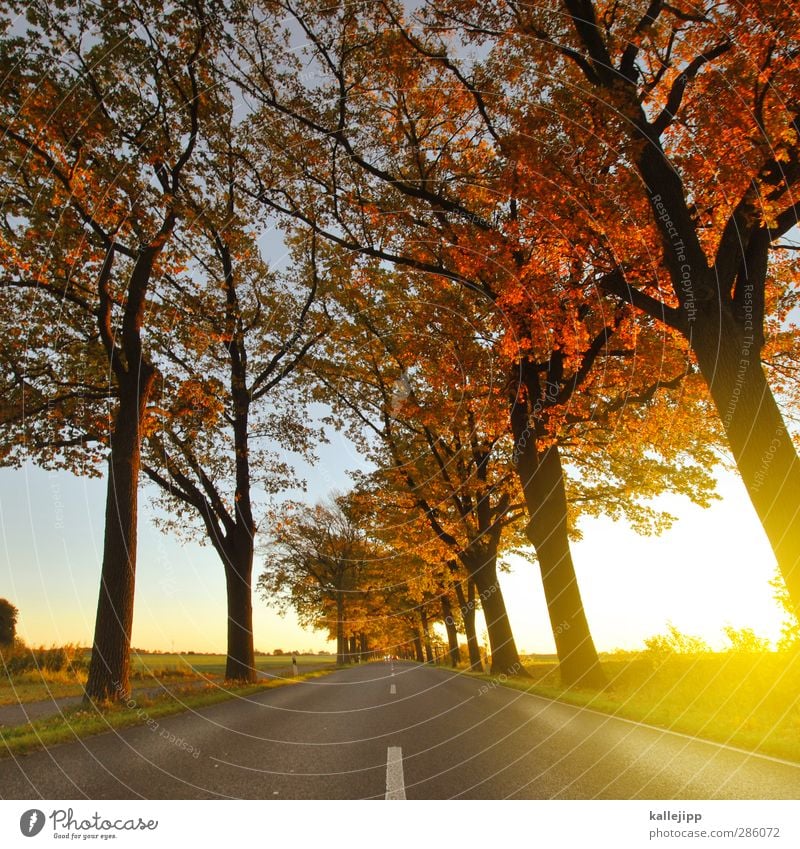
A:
(698, 575)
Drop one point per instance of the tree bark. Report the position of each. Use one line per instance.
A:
(722, 315)
(240, 665)
(467, 605)
(764, 452)
(353, 649)
(452, 631)
(418, 647)
(109, 668)
(546, 500)
(482, 567)
(341, 645)
(426, 634)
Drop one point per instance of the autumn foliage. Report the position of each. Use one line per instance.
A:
(540, 267)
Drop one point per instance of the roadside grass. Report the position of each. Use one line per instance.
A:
(167, 669)
(85, 721)
(33, 685)
(40, 684)
(750, 700)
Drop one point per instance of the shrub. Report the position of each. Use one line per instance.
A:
(69, 658)
(675, 642)
(745, 640)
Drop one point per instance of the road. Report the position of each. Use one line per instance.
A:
(395, 731)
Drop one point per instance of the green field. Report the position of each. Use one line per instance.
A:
(211, 665)
(174, 669)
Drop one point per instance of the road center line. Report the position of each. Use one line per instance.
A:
(393, 690)
(395, 783)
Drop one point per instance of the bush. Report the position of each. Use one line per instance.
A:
(8, 623)
(745, 640)
(790, 631)
(20, 659)
(675, 642)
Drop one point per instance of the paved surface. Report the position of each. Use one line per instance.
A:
(397, 730)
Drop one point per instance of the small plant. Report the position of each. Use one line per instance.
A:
(790, 628)
(675, 642)
(745, 640)
(68, 659)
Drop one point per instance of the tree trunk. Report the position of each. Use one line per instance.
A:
(467, 605)
(353, 649)
(546, 500)
(452, 631)
(109, 668)
(363, 647)
(241, 664)
(760, 443)
(341, 644)
(724, 316)
(482, 566)
(426, 634)
(418, 647)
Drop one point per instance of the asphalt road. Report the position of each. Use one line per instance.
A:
(394, 731)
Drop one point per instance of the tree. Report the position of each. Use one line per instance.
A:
(8, 623)
(395, 155)
(684, 126)
(317, 555)
(425, 387)
(102, 115)
(434, 445)
(230, 400)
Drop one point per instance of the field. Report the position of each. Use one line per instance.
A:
(175, 669)
(212, 665)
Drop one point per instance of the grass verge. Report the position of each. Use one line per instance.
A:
(83, 721)
(747, 700)
(34, 687)
(146, 671)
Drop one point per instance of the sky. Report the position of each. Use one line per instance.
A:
(710, 570)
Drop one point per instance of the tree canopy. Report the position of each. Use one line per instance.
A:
(539, 267)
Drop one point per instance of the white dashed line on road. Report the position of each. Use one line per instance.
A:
(393, 690)
(395, 783)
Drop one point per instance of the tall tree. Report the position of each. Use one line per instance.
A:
(316, 555)
(230, 407)
(103, 112)
(434, 455)
(682, 124)
(424, 401)
(395, 155)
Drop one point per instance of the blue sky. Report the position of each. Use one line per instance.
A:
(712, 569)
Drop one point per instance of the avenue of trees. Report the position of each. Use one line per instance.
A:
(536, 262)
